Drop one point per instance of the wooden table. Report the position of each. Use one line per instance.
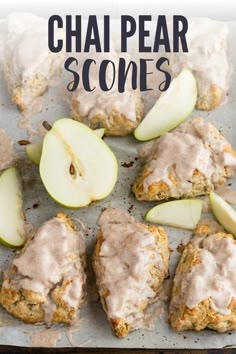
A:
(15, 350)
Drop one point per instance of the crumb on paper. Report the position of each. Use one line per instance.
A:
(159, 308)
(29, 230)
(7, 152)
(206, 207)
(25, 121)
(45, 338)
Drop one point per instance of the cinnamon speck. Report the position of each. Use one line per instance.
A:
(127, 164)
(130, 208)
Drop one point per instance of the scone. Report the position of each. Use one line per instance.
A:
(27, 63)
(130, 263)
(118, 113)
(204, 286)
(207, 58)
(45, 281)
(191, 160)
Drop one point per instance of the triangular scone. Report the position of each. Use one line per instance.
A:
(27, 63)
(189, 161)
(118, 113)
(45, 281)
(207, 59)
(204, 286)
(130, 262)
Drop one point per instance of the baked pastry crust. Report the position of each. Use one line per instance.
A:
(203, 315)
(214, 144)
(122, 326)
(211, 99)
(161, 191)
(27, 75)
(207, 58)
(23, 93)
(115, 123)
(28, 305)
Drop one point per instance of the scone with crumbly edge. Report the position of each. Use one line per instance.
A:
(204, 286)
(207, 58)
(211, 98)
(46, 279)
(27, 63)
(115, 122)
(130, 262)
(24, 93)
(191, 160)
(119, 113)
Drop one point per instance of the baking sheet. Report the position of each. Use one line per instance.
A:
(94, 328)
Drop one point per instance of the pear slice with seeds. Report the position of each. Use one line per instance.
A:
(76, 166)
(34, 150)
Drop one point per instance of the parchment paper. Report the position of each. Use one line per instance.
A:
(94, 328)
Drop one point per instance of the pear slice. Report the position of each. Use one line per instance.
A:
(173, 106)
(100, 132)
(183, 213)
(223, 212)
(34, 150)
(11, 213)
(76, 166)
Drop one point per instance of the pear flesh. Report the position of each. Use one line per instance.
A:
(12, 231)
(34, 150)
(173, 107)
(183, 213)
(76, 166)
(223, 212)
(100, 132)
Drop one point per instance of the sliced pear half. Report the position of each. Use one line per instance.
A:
(173, 106)
(183, 213)
(76, 166)
(34, 150)
(11, 213)
(223, 212)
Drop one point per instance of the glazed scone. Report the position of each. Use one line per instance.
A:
(27, 63)
(207, 59)
(118, 113)
(130, 262)
(191, 160)
(45, 281)
(204, 286)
